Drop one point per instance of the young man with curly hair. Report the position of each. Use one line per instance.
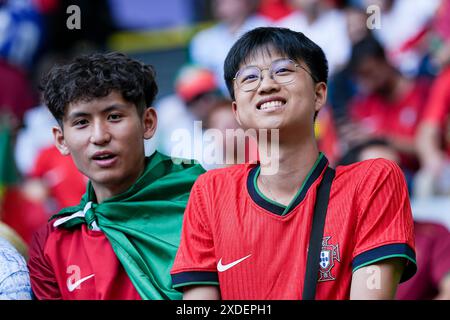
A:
(120, 241)
(247, 229)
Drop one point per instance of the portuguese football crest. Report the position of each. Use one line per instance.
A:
(328, 256)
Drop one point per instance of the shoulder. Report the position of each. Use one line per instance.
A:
(11, 261)
(40, 241)
(14, 275)
(368, 167)
(368, 174)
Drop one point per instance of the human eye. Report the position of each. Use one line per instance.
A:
(248, 75)
(282, 67)
(80, 123)
(249, 78)
(115, 116)
(283, 70)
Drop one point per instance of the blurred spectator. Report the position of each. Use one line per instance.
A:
(144, 14)
(274, 10)
(196, 91)
(320, 21)
(389, 106)
(14, 275)
(16, 94)
(403, 28)
(35, 135)
(16, 210)
(9, 234)
(22, 214)
(60, 179)
(230, 147)
(341, 86)
(209, 47)
(433, 141)
(8, 172)
(376, 148)
(21, 32)
(432, 280)
(440, 36)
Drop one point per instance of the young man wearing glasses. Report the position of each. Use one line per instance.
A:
(247, 229)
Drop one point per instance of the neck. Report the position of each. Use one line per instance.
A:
(103, 191)
(294, 164)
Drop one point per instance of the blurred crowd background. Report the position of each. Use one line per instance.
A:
(389, 95)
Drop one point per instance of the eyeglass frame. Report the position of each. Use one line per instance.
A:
(297, 65)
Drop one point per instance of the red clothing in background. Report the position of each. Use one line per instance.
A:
(274, 9)
(65, 182)
(22, 214)
(16, 95)
(433, 262)
(396, 119)
(437, 109)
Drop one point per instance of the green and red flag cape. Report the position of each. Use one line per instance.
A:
(143, 224)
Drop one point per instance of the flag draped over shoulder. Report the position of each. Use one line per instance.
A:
(142, 224)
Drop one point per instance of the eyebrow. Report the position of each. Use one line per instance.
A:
(110, 108)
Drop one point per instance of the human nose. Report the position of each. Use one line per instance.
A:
(100, 133)
(267, 82)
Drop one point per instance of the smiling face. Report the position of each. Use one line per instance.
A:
(289, 107)
(105, 139)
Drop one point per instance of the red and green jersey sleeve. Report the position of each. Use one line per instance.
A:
(384, 224)
(197, 243)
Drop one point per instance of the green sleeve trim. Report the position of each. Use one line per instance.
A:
(178, 285)
(384, 258)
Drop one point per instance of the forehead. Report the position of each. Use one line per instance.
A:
(92, 105)
(263, 55)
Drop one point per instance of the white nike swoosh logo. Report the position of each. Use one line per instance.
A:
(73, 286)
(222, 268)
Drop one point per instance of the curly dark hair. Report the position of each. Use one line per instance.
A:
(94, 76)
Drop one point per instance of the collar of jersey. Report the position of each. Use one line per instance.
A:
(277, 208)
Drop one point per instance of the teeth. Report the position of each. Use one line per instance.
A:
(105, 156)
(271, 104)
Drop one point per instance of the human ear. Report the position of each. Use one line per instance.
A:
(60, 142)
(150, 120)
(235, 112)
(321, 96)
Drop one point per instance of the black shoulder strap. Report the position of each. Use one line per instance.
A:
(315, 240)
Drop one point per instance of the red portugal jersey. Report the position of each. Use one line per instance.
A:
(254, 248)
(77, 264)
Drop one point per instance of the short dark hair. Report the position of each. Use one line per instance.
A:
(95, 76)
(368, 47)
(354, 153)
(295, 45)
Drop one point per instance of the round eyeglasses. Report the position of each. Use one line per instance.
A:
(282, 71)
